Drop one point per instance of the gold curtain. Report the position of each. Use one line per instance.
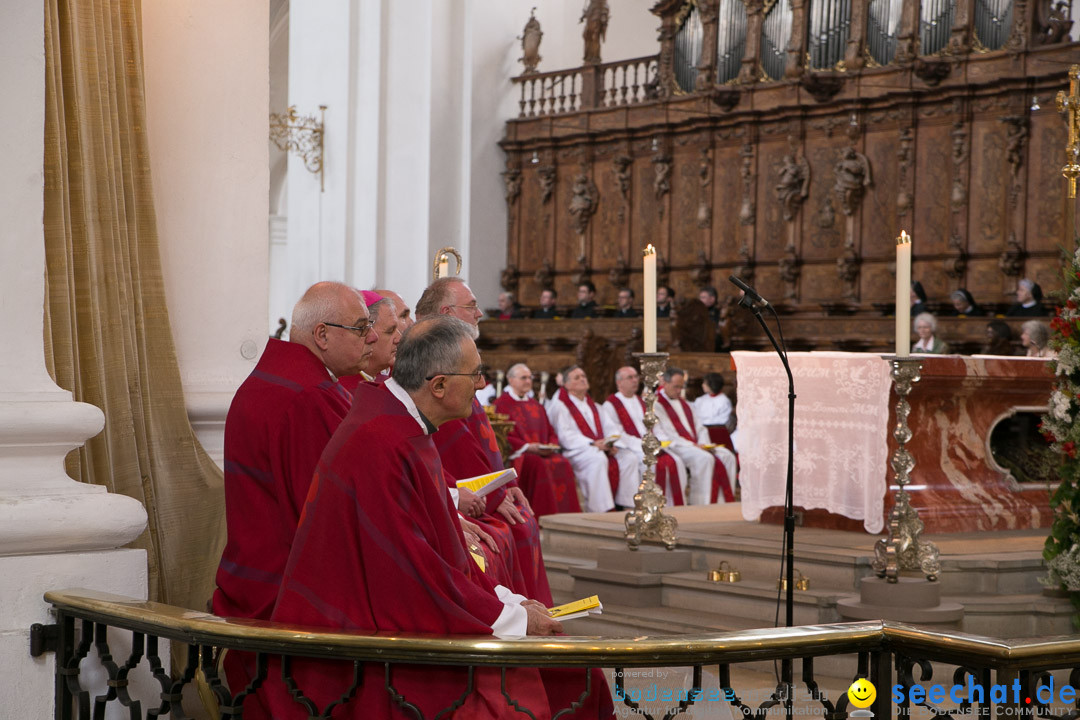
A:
(107, 335)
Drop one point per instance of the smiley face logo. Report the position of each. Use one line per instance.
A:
(862, 693)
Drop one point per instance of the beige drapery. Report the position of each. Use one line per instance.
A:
(107, 334)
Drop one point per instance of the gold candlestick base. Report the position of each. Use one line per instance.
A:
(903, 549)
(647, 520)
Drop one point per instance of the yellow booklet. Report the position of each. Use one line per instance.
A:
(479, 558)
(578, 608)
(484, 484)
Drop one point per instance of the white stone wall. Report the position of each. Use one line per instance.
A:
(207, 92)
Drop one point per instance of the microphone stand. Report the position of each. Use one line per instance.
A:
(786, 667)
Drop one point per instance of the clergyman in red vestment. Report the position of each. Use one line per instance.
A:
(468, 448)
(546, 477)
(379, 548)
(279, 422)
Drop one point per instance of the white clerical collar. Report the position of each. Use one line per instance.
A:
(626, 399)
(513, 394)
(405, 399)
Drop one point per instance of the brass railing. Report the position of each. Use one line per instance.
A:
(889, 655)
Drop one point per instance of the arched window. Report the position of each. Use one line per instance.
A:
(830, 21)
(775, 34)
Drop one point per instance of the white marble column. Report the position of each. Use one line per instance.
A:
(54, 532)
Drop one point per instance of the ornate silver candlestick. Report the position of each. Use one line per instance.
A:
(647, 520)
(903, 549)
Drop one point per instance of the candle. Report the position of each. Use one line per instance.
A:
(649, 299)
(903, 295)
(444, 266)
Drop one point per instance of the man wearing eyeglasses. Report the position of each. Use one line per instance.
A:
(280, 420)
(468, 448)
(379, 547)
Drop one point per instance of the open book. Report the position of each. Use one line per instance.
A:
(578, 608)
(484, 484)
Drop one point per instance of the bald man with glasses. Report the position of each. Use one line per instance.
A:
(278, 424)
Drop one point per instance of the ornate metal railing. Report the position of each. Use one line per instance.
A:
(894, 657)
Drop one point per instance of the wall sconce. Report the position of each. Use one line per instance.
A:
(302, 136)
(535, 158)
(1035, 107)
(655, 144)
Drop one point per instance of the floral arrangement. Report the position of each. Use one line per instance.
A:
(1061, 428)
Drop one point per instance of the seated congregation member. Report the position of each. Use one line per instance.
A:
(918, 299)
(998, 339)
(1028, 300)
(625, 304)
(711, 472)
(714, 409)
(468, 447)
(928, 342)
(1035, 337)
(278, 424)
(586, 307)
(378, 547)
(508, 307)
(577, 422)
(665, 301)
(964, 304)
(624, 410)
(546, 477)
(547, 309)
(709, 298)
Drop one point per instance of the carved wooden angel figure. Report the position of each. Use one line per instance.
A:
(530, 44)
(595, 16)
(705, 175)
(793, 186)
(583, 201)
(852, 179)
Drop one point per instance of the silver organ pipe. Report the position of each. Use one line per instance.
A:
(731, 40)
(688, 42)
(882, 27)
(775, 35)
(993, 21)
(935, 24)
(830, 22)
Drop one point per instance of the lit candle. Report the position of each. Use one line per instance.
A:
(649, 299)
(903, 295)
(444, 266)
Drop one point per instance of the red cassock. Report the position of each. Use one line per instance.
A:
(667, 473)
(279, 422)
(379, 548)
(548, 482)
(468, 448)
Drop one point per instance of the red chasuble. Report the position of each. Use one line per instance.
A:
(612, 464)
(279, 422)
(667, 473)
(468, 448)
(379, 548)
(720, 478)
(548, 482)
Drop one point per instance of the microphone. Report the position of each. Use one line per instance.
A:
(750, 292)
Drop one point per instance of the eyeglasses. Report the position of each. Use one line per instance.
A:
(476, 375)
(362, 329)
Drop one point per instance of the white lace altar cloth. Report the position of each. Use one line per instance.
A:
(841, 426)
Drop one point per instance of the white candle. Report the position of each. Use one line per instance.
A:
(903, 295)
(649, 299)
(444, 266)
